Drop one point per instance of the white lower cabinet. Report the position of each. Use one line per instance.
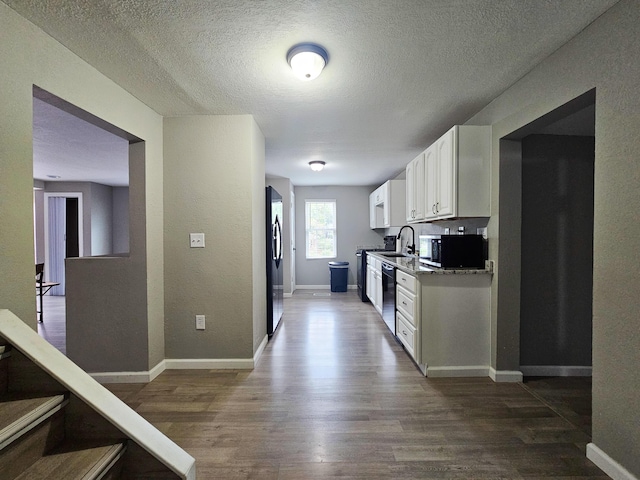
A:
(443, 322)
(406, 332)
(374, 283)
(406, 304)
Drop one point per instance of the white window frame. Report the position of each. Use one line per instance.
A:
(307, 204)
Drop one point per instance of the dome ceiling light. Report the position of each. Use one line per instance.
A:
(307, 60)
(317, 165)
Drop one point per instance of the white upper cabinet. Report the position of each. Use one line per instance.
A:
(415, 189)
(458, 174)
(387, 205)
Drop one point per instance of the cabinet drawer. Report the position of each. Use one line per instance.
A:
(406, 333)
(406, 280)
(406, 302)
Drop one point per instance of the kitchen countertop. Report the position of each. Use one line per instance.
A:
(411, 265)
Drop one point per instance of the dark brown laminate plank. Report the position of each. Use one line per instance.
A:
(335, 396)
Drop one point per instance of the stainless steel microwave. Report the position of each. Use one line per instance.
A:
(452, 251)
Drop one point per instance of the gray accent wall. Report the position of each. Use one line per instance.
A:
(101, 219)
(603, 56)
(557, 250)
(105, 217)
(36, 59)
(352, 209)
(214, 184)
(120, 220)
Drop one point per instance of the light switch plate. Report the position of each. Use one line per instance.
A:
(196, 240)
(200, 322)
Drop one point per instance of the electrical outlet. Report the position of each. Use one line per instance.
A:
(196, 240)
(446, 230)
(200, 322)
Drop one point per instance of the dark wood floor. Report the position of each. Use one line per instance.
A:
(53, 327)
(334, 396)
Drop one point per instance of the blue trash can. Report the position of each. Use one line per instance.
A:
(339, 272)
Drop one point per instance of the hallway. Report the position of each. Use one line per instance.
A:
(335, 396)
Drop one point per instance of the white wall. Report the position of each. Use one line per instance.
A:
(352, 208)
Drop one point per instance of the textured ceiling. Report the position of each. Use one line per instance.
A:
(75, 150)
(400, 72)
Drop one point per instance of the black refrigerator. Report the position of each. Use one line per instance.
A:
(275, 284)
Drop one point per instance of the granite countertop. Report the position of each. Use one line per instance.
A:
(411, 265)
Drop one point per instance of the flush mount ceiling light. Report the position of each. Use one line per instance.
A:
(307, 60)
(316, 165)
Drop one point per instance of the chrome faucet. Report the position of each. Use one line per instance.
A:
(411, 249)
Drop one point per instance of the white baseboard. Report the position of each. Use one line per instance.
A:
(260, 350)
(122, 377)
(322, 287)
(209, 363)
(607, 464)
(157, 370)
(287, 295)
(462, 371)
(555, 371)
(512, 376)
(182, 364)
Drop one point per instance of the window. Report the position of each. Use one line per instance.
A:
(320, 224)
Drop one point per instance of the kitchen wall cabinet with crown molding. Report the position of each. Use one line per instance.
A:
(415, 189)
(457, 176)
(387, 205)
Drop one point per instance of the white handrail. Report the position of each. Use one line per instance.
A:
(78, 382)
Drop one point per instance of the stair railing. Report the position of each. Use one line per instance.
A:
(101, 400)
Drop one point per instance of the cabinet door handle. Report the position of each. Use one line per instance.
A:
(437, 207)
(433, 208)
(404, 303)
(403, 279)
(404, 333)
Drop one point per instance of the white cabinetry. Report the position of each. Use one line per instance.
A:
(387, 205)
(455, 325)
(374, 282)
(415, 189)
(407, 314)
(457, 175)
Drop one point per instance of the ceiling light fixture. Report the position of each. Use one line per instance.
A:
(317, 165)
(307, 60)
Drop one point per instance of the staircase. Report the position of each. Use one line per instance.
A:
(64, 425)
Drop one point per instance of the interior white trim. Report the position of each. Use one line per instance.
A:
(260, 350)
(607, 464)
(513, 376)
(182, 364)
(122, 377)
(287, 295)
(462, 371)
(556, 371)
(322, 287)
(209, 363)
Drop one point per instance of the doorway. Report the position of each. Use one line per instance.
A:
(548, 212)
(63, 235)
(81, 197)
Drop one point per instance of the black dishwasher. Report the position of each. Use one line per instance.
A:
(389, 296)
